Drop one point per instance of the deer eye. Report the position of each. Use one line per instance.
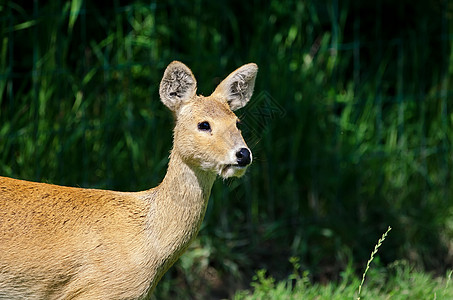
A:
(238, 124)
(204, 126)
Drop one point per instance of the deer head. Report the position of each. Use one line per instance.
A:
(206, 134)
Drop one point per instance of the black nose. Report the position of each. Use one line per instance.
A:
(243, 156)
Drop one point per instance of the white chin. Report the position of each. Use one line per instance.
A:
(232, 171)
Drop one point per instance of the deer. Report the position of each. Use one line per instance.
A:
(59, 242)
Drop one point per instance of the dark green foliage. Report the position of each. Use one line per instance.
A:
(350, 124)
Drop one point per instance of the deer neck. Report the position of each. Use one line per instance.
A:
(177, 208)
(185, 188)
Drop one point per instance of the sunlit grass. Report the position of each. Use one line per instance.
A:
(399, 281)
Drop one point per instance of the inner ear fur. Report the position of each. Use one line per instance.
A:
(237, 88)
(178, 85)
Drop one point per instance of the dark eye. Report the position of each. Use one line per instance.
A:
(238, 124)
(204, 126)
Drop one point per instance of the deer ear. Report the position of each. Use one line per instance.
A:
(237, 88)
(178, 85)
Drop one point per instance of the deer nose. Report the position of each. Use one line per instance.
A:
(243, 157)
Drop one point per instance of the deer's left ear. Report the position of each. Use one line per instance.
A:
(237, 88)
(178, 86)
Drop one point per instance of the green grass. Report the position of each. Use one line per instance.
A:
(398, 281)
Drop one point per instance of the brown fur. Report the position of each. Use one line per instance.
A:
(72, 243)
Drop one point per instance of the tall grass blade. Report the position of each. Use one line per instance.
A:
(375, 251)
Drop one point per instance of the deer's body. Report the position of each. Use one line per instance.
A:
(72, 243)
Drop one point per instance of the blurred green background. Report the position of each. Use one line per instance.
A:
(350, 123)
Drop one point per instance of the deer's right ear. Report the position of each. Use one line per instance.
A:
(237, 88)
(178, 85)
